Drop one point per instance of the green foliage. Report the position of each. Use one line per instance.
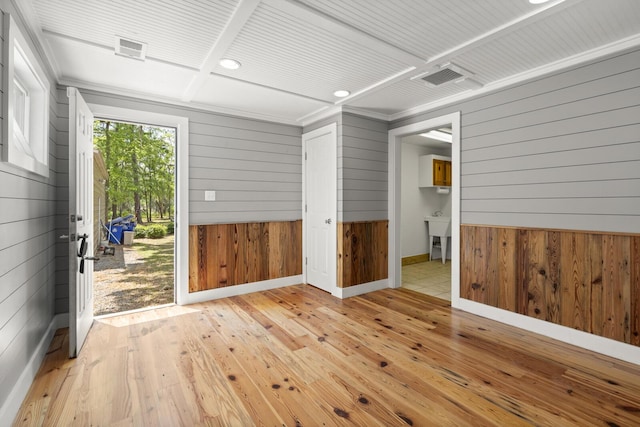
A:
(140, 232)
(156, 231)
(140, 165)
(170, 227)
(153, 231)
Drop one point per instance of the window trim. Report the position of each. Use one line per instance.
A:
(27, 150)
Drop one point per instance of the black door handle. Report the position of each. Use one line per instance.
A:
(82, 251)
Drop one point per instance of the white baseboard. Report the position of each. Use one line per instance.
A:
(595, 343)
(230, 291)
(11, 406)
(352, 291)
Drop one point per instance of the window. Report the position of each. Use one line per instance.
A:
(21, 116)
(26, 100)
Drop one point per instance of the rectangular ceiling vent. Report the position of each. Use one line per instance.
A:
(447, 73)
(442, 76)
(131, 48)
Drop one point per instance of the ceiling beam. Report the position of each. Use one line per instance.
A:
(561, 64)
(241, 15)
(175, 103)
(110, 48)
(274, 89)
(446, 56)
(344, 31)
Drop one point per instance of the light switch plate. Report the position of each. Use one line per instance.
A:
(209, 196)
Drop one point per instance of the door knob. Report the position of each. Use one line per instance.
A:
(327, 221)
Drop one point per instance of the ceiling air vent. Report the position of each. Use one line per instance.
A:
(443, 76)
(131, 48)
(447, 73)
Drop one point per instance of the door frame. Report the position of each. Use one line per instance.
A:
(181, 124)
(332, 129)
(394, 198)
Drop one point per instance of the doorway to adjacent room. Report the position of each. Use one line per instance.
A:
(451, 233)
(426, 211)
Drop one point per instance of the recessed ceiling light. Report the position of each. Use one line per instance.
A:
(230, 64)
(341, 93)
(538, 1)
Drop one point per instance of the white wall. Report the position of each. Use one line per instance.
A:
(418, 202)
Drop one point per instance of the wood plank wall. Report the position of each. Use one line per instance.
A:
(232, 254)
(362, 252)
(588, 281)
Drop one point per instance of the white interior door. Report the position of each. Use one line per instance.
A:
(81, 245)
(320, 198)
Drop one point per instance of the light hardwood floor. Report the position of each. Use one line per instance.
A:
(430, 278)
(297, 356)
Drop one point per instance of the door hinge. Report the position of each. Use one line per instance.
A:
(305, 260)
(305, 208)
(305, 155)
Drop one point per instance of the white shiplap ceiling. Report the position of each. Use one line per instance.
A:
(295, 54)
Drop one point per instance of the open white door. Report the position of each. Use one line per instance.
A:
(81, 245)
(320, 198)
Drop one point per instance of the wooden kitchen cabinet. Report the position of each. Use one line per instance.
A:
(434, 171)
(447, 174)
(439, 172)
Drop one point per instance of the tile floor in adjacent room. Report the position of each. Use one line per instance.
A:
(431, 278)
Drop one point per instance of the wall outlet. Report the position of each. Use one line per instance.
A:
(209, 196)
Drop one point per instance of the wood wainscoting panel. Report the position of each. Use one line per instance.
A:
(588, 281)
(488, 256)
(616, 287)
(362, 252)
(540, 280)
(635, 291)
(576, 289)
(232, 254)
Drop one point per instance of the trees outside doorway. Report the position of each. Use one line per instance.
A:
(140, 181)
(141, 169)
